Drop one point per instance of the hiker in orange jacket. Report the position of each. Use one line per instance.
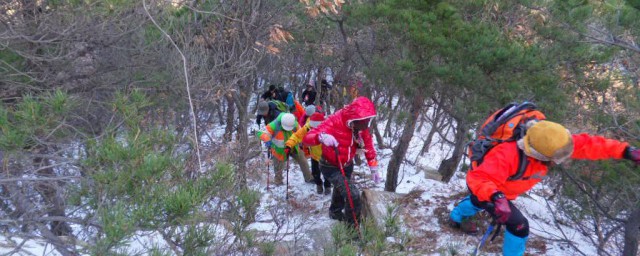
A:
(545, 143)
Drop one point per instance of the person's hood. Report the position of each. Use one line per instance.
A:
(361, 108)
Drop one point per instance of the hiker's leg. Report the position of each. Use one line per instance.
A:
(327, 183)
(337, 201)
(464, 210)
(278, 166)
(513, 245)
(304, 165)
(515, 238)
(354, 193)
(333, 174)
(315, 171)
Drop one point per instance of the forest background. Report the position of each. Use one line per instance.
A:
(107, 104)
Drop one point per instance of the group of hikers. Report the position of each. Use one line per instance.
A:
(515, 147)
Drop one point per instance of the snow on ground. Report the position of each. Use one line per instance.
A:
(302, 220)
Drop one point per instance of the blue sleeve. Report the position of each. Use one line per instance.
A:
(290, 100)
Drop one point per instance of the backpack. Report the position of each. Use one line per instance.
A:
(289, 100)
(284, 96)
(281, 106)
(506, 124)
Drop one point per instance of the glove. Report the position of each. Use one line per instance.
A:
(632, 154)
(501, 209)
(328, 140)
(375, 175)
(287, 151)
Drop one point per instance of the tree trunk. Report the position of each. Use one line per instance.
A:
(434, 127)
(374, 124)
(241, 101)
(376, 133)
(219, 110)
(230, 120)
(387, 129)
(632, 234)
(400, 150)
(448, 166)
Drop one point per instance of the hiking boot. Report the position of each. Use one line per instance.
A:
(327, 190)
(319, 189)
(339, 216)
(467, 226)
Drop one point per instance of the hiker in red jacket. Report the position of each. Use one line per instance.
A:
(345, 131)
(544, 144)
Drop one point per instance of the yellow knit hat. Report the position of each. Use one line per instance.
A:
(550, 139)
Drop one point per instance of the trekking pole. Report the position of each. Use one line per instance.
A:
(344, 176)
(268, 166)
(484, 238)
(287, 192)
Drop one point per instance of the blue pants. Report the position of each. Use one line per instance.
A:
(465, 209)
(515, 237)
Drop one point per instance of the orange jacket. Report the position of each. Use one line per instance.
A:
(501, 162)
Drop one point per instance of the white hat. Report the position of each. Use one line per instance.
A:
(309, 110)
(288, 121)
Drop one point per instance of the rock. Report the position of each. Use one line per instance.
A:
(430, 172)
(375, 204)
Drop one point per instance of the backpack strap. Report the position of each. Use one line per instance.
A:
(523, 162)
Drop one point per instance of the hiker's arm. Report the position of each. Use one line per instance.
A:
(268, 134)
(592, 147)
(266, 95)
(296, 137)
(264, 136)
(370, 151)
(258, 120)
(311, 139)
(299, 111)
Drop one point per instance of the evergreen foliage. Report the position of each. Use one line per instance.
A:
(96, 137)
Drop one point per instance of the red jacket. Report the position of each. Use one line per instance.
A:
(338, 126)
(501, 162)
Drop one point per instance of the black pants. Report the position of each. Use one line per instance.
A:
(517, 224)
(315, 171)
(339, 196)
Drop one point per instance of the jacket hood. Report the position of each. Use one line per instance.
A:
(360, 108)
